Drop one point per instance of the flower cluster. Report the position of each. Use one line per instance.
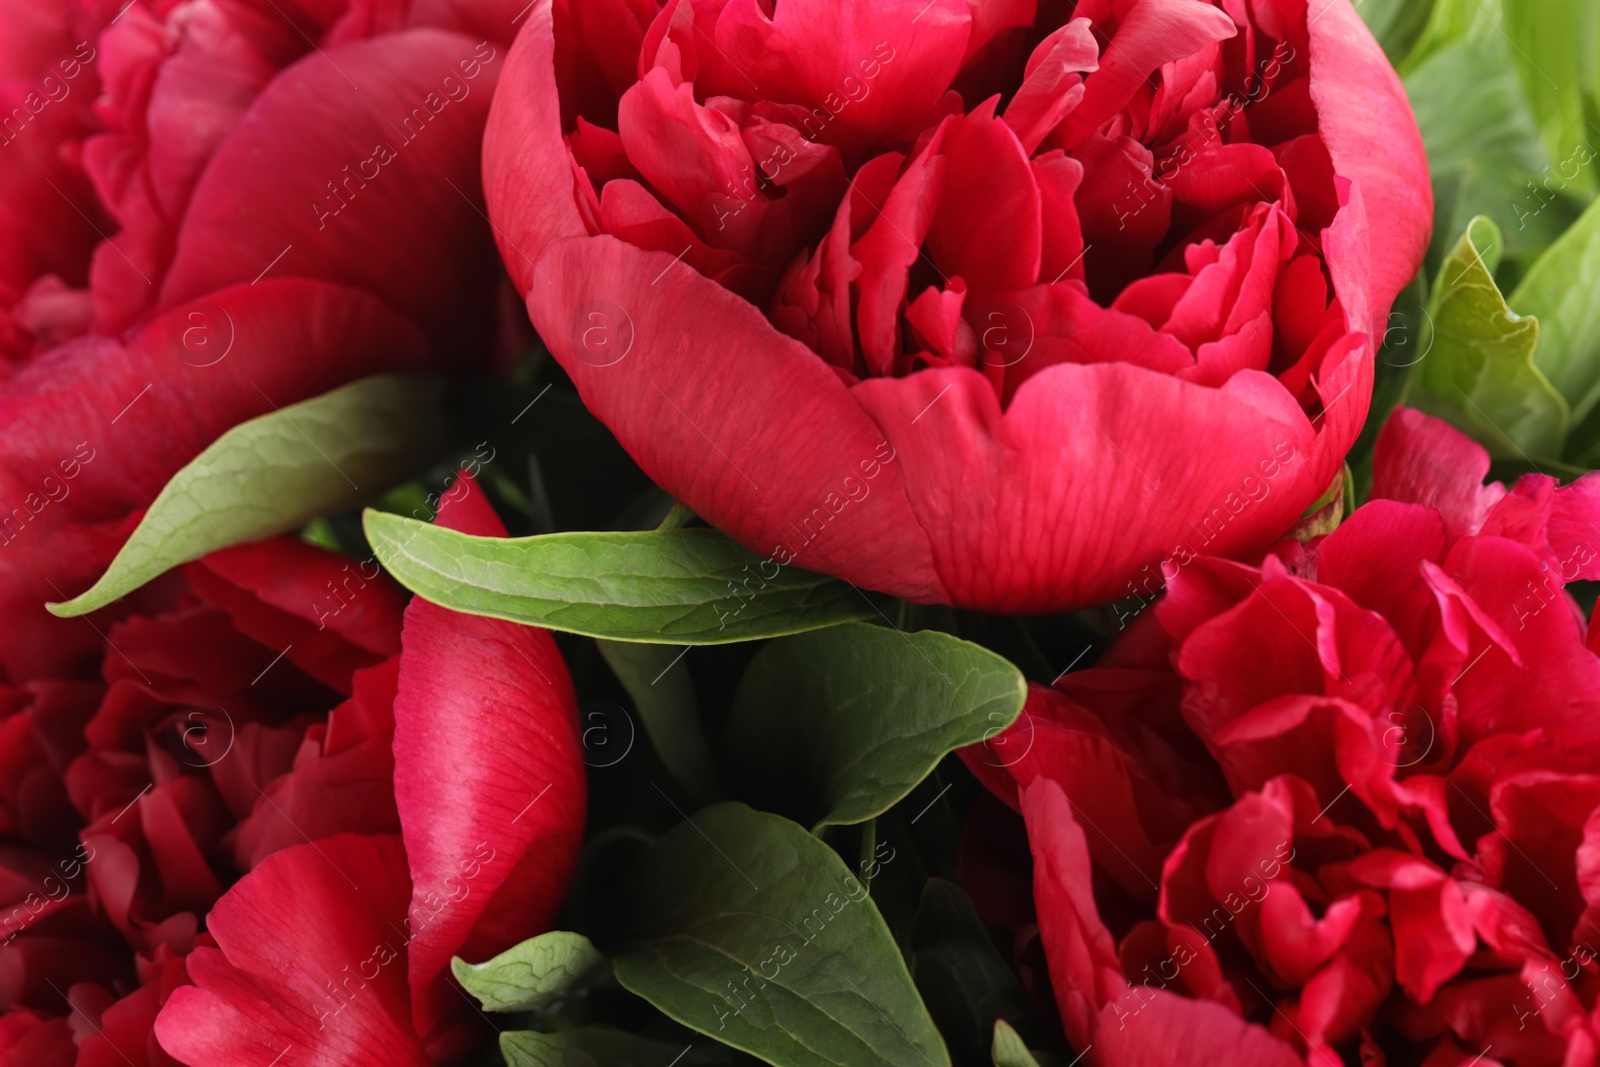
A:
(1011, 320)
(1344, 800)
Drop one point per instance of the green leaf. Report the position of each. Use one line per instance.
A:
(837, 726)
(1485, 152)
(528, 976)
(659, 683)
(1553, 50)
(275, 473)
(1479, 371)
(755, 933)
(685, 587)
(1008, 1049)
(1451, 22)
(1397, 24)
(1559, 290)
(964, 980)
(592, 1046)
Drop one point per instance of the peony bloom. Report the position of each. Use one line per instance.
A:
(48, 84)
(1342, 806)
(280, 198)
(273, 719)
(972, 301)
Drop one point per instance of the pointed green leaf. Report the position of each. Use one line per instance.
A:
(276, 473)
(1452, 22)
(1553, 50)
(1397, 24)
(1485, 152)
(595, 1046)
(659, 683)
(837, 726)
(1009, 1050)
(963, 979)
(1559, 290)
(751, 931)
(1479, 371)
(528, 976)
(684, 587)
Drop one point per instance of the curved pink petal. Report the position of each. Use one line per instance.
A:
(1147, 34)
(831, 499)
(1574, 528)
(1084, 968)
(310, 965)
(92, 432)
(26, 1040)
(1357, 91)
(169, 107)
(342, 780)
(375, 150)
(527, 170)
(1167, 469)
(48, 83)
(489, 781)
(1419, 459)
(1154, 1028)
(884, 68)
(326, 613)
(1535, 669)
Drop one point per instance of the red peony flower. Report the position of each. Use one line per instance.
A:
(907, 292)
(265, 714)
(48, 84)
(280, 198)
(1342, 806)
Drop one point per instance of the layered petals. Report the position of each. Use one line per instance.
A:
(1402, 851)
(1185, 198)
(262, 992)
(93, 431)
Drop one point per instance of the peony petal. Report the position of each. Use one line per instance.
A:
(885, 67)
(375, 170)
(988, 188)
(1084, 968)
(1051, 83)
(275, 589)
(311, 962)
(1162, 464)
(1357, 91)
(1574, 529)
(1530, 666)
(1419, 459)
(489, 782)
(1148, 34)
(743, 424)
(342, 780)
(1153, 1028)
(527, 176)
(172, 114)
